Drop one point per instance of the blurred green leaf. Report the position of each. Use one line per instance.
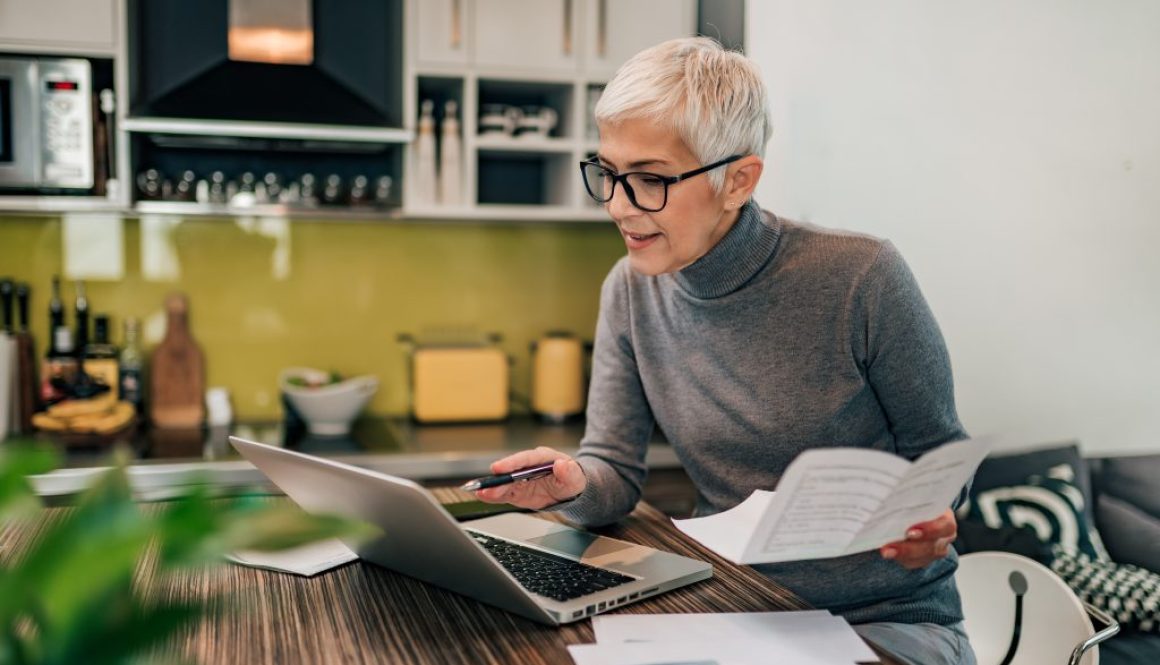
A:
(76, 595)
(138, 630)
(16, 463)
(89, 553)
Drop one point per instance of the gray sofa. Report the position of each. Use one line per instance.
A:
(1122, 504)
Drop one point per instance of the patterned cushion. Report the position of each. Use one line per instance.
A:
(1129, 593)
(1006, 469)
(1051, 504)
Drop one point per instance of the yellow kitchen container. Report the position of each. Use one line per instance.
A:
(459, 384)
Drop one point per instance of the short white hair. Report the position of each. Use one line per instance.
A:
(713, 98)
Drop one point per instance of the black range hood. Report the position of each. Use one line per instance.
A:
(182, 67)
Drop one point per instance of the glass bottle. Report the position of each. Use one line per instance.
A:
(60, 367)
(132, 363)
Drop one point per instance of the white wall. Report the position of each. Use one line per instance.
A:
(1012, 152)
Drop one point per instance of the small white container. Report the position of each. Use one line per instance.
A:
(218, 411)
(328, 409)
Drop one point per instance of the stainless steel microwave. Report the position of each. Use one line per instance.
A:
(46, 124)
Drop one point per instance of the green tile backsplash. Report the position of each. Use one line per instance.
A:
(267, 294)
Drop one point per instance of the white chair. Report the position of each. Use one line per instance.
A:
(1018, 612)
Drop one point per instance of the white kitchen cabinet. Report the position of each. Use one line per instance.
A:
(527, 34)
(442, 32)
(87, 27)
(528, 55)
(615, 30)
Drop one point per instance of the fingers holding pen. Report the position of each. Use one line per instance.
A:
(568, 479)
(565, 481)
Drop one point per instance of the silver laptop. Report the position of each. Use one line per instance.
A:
(542, 570)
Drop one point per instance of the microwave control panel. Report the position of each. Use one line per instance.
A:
(66, 123)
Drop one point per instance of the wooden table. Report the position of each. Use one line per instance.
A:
(361, 613)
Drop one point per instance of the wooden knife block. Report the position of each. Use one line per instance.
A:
(177, 381)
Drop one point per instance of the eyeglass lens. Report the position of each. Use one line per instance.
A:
(645, 191)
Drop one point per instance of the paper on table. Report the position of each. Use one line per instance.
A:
(306, 560)
(836, 501)
(695, 653)
(816, 632)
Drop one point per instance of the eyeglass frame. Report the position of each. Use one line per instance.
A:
(668, 180)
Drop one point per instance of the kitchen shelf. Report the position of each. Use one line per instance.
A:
(272, 130)
(59, 204)
(480, 213)
(494, 212)
(505, 143)
(193, 209)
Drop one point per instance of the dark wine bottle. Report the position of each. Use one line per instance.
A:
(55, 317)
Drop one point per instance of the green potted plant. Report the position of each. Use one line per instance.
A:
(74, 593)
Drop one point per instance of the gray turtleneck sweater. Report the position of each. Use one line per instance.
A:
(783, 337)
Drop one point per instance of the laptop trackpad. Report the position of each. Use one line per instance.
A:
(576, 543)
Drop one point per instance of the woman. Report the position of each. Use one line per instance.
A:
(747, 339)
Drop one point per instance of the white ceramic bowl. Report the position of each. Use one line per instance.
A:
(330, 409)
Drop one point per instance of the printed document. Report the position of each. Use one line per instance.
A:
(838, 501)
(818, 633)
(697, 653)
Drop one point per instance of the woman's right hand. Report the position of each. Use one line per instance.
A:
(566, 482)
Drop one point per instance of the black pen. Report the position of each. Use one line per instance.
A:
(530, 473)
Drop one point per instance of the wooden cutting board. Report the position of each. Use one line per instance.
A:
(177, 372)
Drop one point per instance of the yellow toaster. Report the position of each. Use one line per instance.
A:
(459, 383)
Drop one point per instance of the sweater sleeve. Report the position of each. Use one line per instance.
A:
(619, 419)
(906, 360)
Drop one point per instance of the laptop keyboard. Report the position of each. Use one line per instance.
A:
(546, 574)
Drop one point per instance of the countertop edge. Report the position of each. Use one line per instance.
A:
(166, 480)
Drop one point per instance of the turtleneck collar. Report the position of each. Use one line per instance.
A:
(733, 261)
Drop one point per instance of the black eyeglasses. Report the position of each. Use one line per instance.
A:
(647, 191)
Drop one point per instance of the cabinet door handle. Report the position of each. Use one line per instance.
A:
(456, 23)
(567, 27)
(602, 28)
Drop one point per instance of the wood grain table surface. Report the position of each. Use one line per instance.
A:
(362, 613)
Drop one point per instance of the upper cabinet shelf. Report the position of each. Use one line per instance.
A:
(274, 130)
(557, 37)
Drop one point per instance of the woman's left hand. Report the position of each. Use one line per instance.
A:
(925, 543)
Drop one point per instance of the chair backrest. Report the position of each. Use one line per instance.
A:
(996, 586)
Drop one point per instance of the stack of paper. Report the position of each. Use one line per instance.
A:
(804, 638)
